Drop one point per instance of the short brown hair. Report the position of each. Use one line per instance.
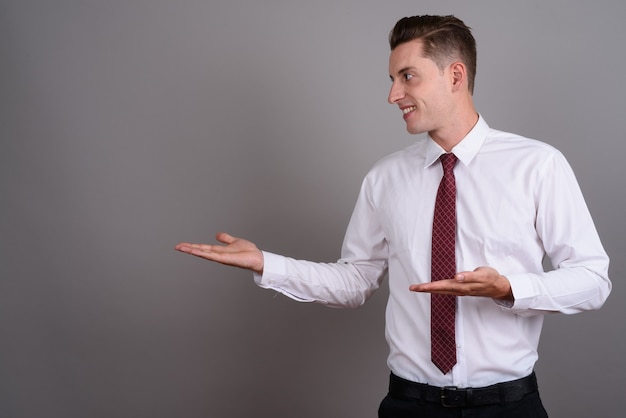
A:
(444, 39)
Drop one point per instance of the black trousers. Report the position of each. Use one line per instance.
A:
(529, 406)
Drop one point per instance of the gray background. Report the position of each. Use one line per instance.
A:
(128, 126)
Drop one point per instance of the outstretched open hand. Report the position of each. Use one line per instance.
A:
(483, 281)
(236, 252)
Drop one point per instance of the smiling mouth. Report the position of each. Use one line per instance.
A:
(407, 110)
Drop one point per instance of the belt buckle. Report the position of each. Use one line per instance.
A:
(447, 392)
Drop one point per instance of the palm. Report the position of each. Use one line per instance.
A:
(236, 252)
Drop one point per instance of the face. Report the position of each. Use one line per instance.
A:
(420, 89)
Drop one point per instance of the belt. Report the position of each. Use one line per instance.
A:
(452, 396)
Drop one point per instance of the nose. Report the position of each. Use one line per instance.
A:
(395, 93)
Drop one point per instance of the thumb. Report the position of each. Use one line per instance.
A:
(224, 238)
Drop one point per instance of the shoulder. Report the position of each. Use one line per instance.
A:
(523, 157)
(518, 147)
(497, 138)
(409, 158)
(396, 170)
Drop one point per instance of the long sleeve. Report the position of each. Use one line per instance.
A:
(347, 283)
(580, 280)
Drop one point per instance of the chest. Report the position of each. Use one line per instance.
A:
(493, 206)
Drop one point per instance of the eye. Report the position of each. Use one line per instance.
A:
(407, 76)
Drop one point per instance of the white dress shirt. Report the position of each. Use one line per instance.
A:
(517, 199)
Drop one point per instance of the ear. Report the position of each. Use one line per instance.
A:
(458, 75)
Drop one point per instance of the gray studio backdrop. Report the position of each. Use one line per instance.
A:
(128, 126)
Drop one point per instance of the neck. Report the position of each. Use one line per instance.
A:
(448, 137)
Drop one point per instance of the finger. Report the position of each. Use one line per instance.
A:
(230, 257)
(444, 287)
(225, 238)
(415, 288)
(468, 276)
(209, 252)
(194, 249)
(438, 286)
(184, 247)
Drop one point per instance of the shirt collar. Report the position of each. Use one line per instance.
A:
(465, 150)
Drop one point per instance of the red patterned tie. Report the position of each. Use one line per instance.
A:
(443, 266)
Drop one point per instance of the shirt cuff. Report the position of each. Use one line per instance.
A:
(274, 268)
(523, 293)
(275, 277)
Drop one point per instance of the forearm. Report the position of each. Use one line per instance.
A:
(567, 290)
(340, 285)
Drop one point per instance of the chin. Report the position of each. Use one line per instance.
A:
(415, 130)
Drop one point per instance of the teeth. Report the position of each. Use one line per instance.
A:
(408, 109)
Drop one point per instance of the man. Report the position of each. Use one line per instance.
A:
(510, 201)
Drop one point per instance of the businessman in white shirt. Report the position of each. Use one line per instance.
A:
(517, 200)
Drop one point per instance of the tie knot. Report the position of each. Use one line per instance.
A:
(448, 161)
